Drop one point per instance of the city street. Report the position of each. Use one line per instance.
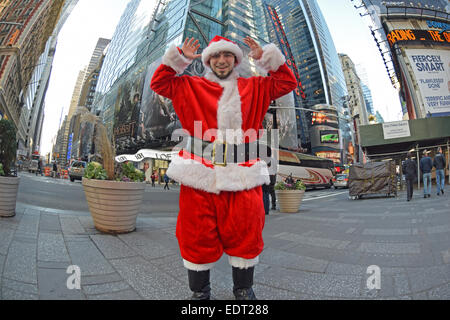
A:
(322, 252)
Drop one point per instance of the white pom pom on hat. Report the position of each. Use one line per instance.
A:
(219, 44)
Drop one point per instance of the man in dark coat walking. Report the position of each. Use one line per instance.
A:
(409, 168)
(439, 164)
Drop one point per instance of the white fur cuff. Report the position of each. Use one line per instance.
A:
(242, 263)
(197, 267)
(271, 59)
(175, 60)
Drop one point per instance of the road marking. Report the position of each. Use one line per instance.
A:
(330, 195)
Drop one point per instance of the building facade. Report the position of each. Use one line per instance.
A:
(317, 64)
(22, 41)
(414, 40)
(356, 99)
(92, 73)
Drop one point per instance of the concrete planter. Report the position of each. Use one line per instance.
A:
(114, 205)
(289, 200)
(8, 195)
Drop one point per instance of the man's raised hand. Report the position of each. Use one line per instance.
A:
(256, 50)
(190, 48)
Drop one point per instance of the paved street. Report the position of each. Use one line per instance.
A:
(322, 252)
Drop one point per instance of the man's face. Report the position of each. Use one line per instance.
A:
(222, 64)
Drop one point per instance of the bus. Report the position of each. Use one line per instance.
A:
(313, 171)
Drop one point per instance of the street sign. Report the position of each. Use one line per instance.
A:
(396, 129)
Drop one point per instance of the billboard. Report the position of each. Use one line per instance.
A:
(431, 69)
(128, 106)
(329, 136)
(157, 115)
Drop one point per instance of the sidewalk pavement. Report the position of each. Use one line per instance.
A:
(322, 252)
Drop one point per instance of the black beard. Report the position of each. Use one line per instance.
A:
(222, 77)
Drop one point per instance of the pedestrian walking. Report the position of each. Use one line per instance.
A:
(221, 207)
(39, 168)
(426, 164)
(440, 164)
(273, 180)
(166, 180)
(55, 169)
(266, 200)
(153, 177)
(410, 171)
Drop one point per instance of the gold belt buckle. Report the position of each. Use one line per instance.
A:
(224, 163)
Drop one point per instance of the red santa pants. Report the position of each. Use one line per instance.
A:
(209, 224)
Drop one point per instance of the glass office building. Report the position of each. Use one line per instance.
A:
(318, 65)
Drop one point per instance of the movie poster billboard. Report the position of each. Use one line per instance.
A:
(128, 106)
(157, 117)
(432, 74)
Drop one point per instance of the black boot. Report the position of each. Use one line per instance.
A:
(243, 282)
(199, 284)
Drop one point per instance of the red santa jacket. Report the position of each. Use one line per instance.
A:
(230, 110)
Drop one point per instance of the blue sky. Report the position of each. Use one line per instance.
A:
(92, 19)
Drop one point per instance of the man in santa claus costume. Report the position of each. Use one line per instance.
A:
(221, 207)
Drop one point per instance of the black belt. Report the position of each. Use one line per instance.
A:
(221, 153)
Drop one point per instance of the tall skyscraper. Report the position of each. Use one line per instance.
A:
(23, 40)
(362, 73)
(92, 73)
(65, 139)
(357, 104)
(318, 65)
(32, 114)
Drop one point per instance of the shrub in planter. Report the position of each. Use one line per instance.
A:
(9, 184)
(290, 194)
(114, 198)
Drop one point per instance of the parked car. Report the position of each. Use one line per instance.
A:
(76, 170)
(340, 181)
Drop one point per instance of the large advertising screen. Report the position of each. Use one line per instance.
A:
(432, 72)
(329, 136)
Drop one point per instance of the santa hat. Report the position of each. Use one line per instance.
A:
(219, 44)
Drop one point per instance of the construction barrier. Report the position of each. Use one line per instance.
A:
(65, 174)
(47, 171)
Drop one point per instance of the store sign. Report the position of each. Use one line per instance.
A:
(396, 129)
(145, 154)
(438, 25)
(431, 70)
(417, 35)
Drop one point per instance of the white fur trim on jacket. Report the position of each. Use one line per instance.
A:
(175, 60)
(233, 177)
(197, 267)
(242, 263)
(220, 46)
(272, 58)
(229, 112)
